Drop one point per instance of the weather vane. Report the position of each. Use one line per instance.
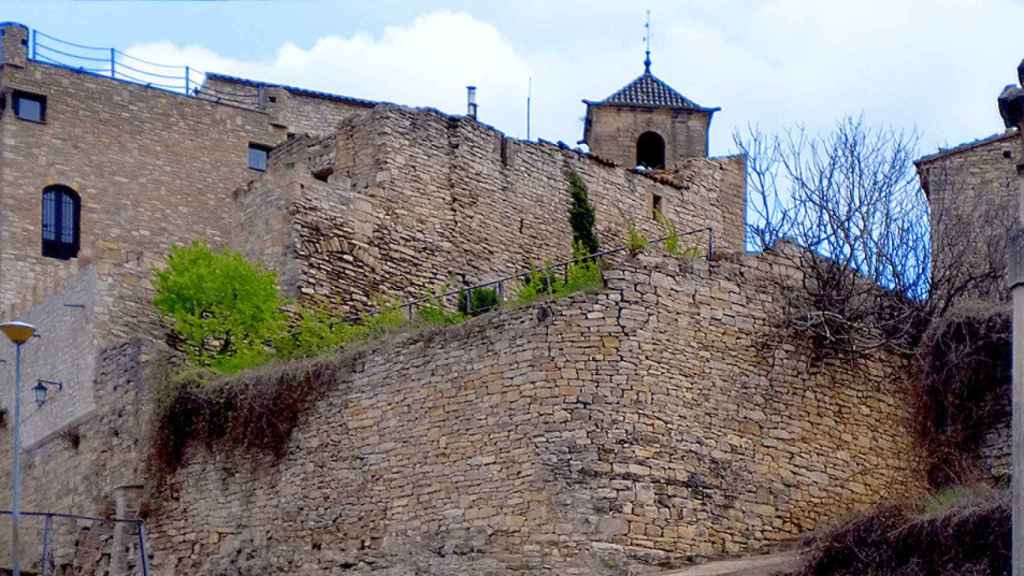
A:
(647, 44)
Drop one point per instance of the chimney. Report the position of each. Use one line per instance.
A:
(471, 101)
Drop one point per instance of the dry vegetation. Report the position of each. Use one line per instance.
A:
(967, 537)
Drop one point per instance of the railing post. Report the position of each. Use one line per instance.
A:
(501, 293)
(45, 562)
(33, 44)
(469, 301)
(113, 59)
(711, 243)
(144, 557)
(187, 89)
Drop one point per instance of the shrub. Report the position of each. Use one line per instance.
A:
(582, 215)
(635, 241)
(582, 275)
(434, 312)
(671, 234)
(224, 308)
(483, 300)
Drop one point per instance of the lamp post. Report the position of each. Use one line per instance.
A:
(18, 333)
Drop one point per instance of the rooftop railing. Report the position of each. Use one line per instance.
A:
(120, 65)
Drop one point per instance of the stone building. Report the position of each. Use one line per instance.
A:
(646, 123)
(534, 439)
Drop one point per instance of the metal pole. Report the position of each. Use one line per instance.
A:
(16, 480)
(47, 523)
(142, 549)
(1015, 272)
(187, 90)
(113, 58)
(33, 43)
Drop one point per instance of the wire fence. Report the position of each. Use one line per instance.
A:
(52, 544)
(120, 65)
(504, 287)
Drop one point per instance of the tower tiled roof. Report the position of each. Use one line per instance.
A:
(649, 90)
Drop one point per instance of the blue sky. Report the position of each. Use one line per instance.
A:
(931, 65)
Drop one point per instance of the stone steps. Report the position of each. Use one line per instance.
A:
(783, 563)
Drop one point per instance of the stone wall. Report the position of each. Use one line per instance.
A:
(301, 111)
(662, 420)
(152, 168)
(973, 199)
(614, 131)
(411, 199)
(65, 352)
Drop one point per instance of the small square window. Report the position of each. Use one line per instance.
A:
(656, 210)
(31, 107)
(258, 157)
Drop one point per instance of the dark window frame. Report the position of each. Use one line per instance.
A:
(16, 98)
(58, 240)
(657, 206)
(253, 146)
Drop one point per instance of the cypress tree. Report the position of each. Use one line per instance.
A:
(581, 215)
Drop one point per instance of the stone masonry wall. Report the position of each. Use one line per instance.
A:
(614, 131)
(65, 352)
(972, 194)
(661, 420)
(412, 199)
(300, 111)
(152, 169)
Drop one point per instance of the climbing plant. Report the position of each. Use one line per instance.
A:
(581, 215)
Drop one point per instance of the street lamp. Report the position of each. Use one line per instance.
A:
(18, 333)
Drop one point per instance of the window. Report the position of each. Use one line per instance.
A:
(656, 209)
(61, 216)
(650, 150)
(258, 157)
(31, 107)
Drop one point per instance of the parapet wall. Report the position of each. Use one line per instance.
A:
(660, 420)
(401, 200)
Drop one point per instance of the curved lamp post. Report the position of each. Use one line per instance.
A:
(18, 333)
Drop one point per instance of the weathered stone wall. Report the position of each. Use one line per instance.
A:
(65, 352)
(973, 199)
(301, 111)
(614, 131)
(413, 198)
(152, 168)
(660, 420)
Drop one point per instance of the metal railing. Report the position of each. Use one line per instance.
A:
(80, 541)
(119, 65)
(500, 285)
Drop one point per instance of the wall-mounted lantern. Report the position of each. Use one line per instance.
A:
(41, 389)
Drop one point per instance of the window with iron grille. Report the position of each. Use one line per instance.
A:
(61, 216)
(31, 107)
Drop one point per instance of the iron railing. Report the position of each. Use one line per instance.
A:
(46, 556)
(500, 285)
(120, 65)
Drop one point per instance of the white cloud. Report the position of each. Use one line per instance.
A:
(428, 62)
(935, 65)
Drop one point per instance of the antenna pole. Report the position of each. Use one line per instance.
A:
(529, 96)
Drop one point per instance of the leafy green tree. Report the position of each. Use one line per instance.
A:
(581, 215)
(224, 307)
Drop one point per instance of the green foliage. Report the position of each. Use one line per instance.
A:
(225, 308)
(434, 312)
(635, 241)
(582, 275)
(483, 300)
(671, 234)
(581, 215)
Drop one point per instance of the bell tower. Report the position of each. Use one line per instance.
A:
(647, 123)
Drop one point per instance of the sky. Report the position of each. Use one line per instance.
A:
(934, 66)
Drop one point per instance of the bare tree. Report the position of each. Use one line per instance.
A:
(851, 199)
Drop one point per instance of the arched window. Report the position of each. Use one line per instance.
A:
(61, 215)
(650, 150)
